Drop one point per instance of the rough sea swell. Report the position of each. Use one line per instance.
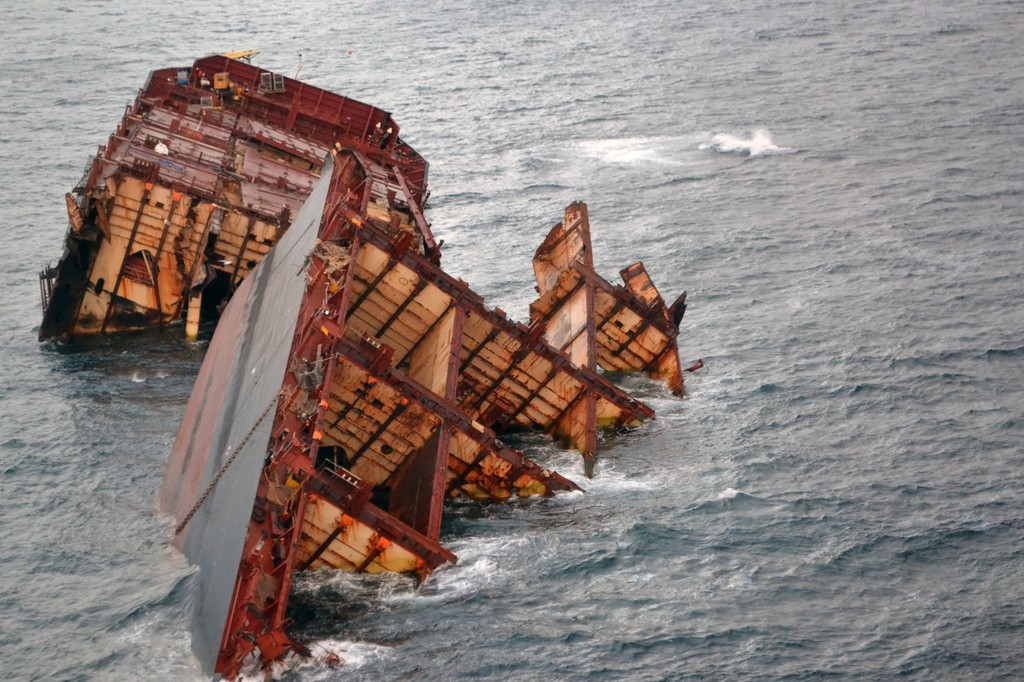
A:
(839, 495)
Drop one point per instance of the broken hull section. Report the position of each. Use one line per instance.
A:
(617, 328)
(227, 425)
(353, 386)
(198, 182)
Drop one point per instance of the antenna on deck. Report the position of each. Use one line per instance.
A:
(298, 68)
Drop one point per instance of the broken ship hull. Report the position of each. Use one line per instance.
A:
(193, 189)
(352, 386)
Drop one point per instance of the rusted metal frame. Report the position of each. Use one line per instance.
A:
(451, 386)
(378, 548)
(238, 640)
(526, 346)
(493, 334)
(331, 537)
(359, 507)
(517, 357)
(339, 300)
(605, 350)
(414, 208)
(670, 349)
(337, 198)
(568, 407)
(388, 526)
(648, 318)
(313, 324)
(200, 249)
(366, 358)
(559, 304)
(102, 217)
(395, 414)
(360, 394)
(341, 305)
(590, 429)
(175, 198)
(367, 176)
(587, 443)
(276, 144)
(273, 615)
(244, 584)
(622, 353)
(247, 622)
(565, 346)
(403, 334)
(591, 328)
(468, 467)
(451, 383)
(630, 337)
(549, 247)
(449, 393)
(520, 464)
(589, 448)
(423, 337)
(511, 417)
(457, 289)
(371, 286)
(318, 291)
(616, 309)
(287, 564)
(343, 491)
(124, 258)
(279, 467)
(421, 284)
(648, 313)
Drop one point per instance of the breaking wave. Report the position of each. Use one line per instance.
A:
(328, 658)
(759, 144)
(727, 494)
(631, 151)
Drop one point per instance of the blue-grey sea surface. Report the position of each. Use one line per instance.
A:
(838, 185)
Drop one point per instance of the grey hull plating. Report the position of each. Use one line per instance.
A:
(240, 377)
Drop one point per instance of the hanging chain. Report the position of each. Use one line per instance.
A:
(224, 467)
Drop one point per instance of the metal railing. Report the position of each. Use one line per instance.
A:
(46, 277)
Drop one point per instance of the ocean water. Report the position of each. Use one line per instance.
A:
(839, 187)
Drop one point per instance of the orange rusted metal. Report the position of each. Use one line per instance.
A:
(352, 387)
(203, 180)
(631, 327)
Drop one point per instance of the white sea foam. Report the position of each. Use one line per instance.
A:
(608, 479)
(328, 658)
(481, 563)
(631, 151)
(137, 378)
(727, 494)
(759, 144)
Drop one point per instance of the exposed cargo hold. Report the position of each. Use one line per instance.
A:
(352, 387)
(198, 182)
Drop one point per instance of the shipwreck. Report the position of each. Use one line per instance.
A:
(197, 183)
(351, 386)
